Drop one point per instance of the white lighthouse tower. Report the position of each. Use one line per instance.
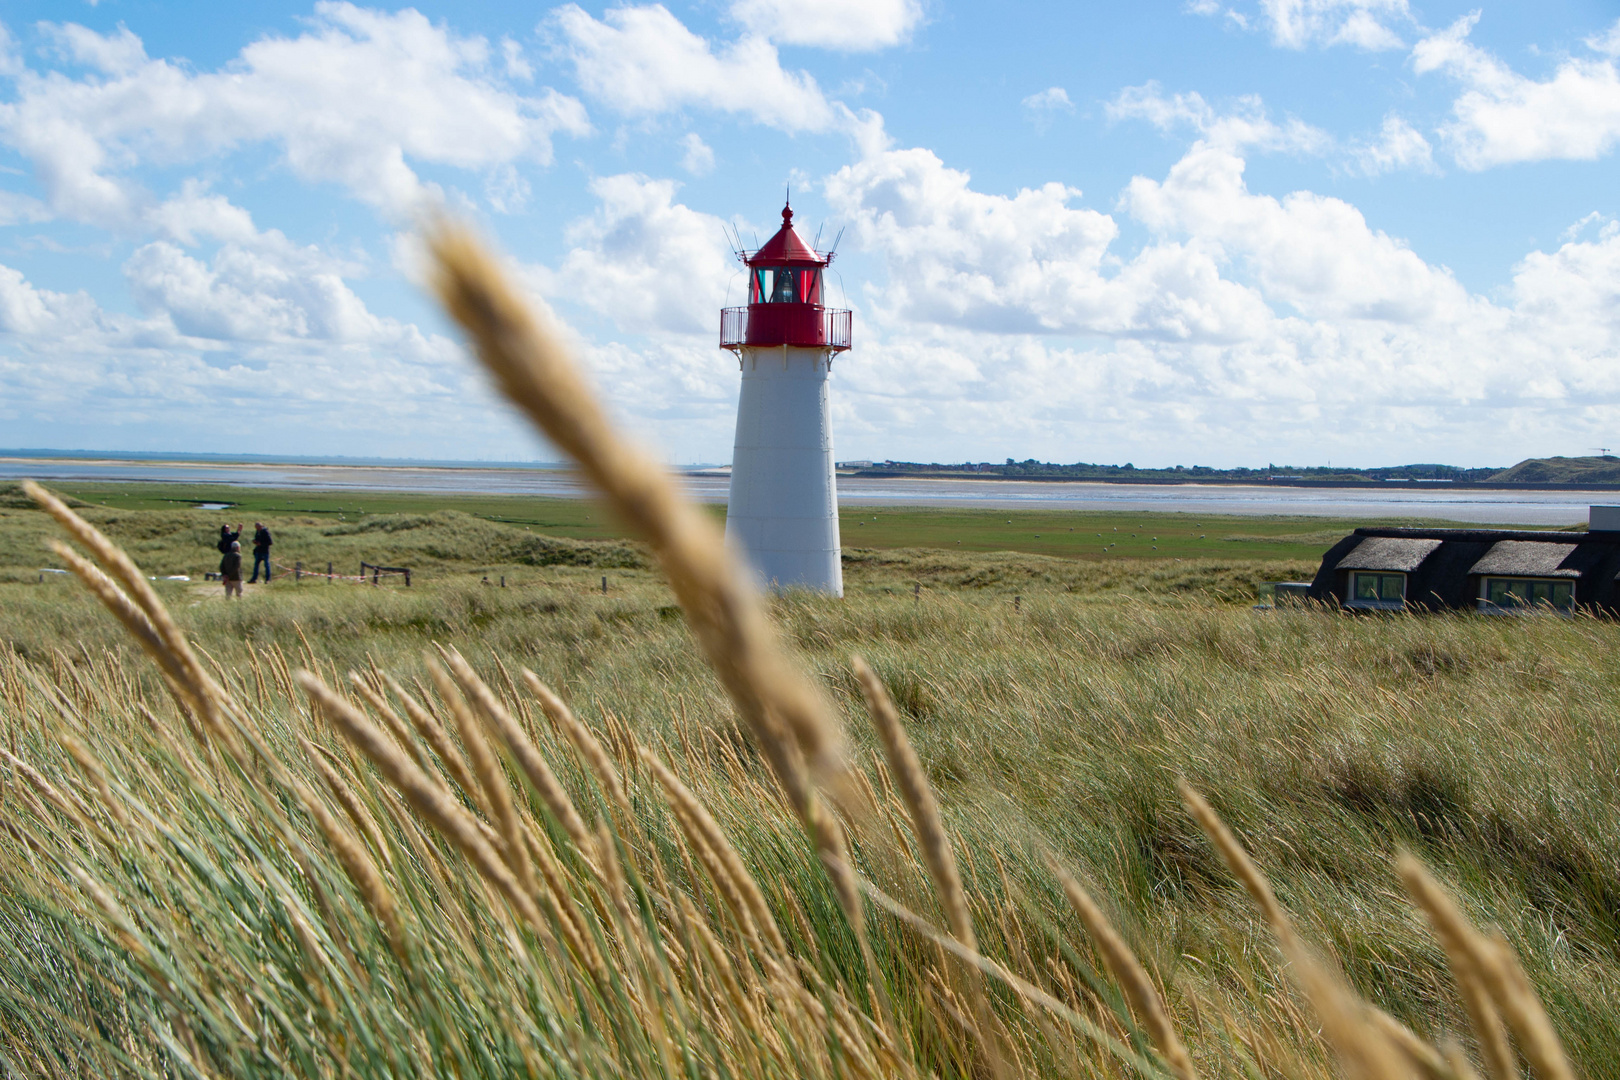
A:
(783, 509)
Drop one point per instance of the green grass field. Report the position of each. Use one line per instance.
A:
(1059, 534)
(1058, 725)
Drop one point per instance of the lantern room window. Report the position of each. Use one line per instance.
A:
(785, 285)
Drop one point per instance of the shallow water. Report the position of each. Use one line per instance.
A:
(1376, 501)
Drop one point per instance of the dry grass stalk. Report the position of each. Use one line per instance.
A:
(358, 865)
(1132, 978)
(691, 809)
(721, 964)
(1456, 937)
(561, 900)
(206, 694)
(928, 824)
(1238, 861)
(123, 609)
(432, 800)
(462, 721)
(524, 752)
(319, 963)
(1363, 1048)
(580, 736)
(1022, 987)
(1428, 1061)
(1461, 1067)
(98, 776)
(491, 780)
(48, 791)
(338, 785)
(921, 806)
(1491, 963)
(390, 718)
(128, 933)
(1522, 1009)
(434, 735)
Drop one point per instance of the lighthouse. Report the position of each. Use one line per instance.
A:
(783, 508)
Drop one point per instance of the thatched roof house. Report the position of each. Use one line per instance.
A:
(1491, 570)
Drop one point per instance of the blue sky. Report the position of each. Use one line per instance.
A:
(1364, 231)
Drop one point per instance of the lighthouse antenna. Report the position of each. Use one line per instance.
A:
(816, 243)
(836, 240)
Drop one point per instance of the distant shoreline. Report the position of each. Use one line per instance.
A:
(1257, 481)
(145, 457)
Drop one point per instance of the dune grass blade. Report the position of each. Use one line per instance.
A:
(1364, 1049)
(923, 808)
(208, 697)
(750, 898)
(431, 800)
(1128, 973)
(1486, 966)
(527, 756)
(587, 744)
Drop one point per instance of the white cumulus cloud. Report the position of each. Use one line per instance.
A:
(1246, 319)
(646, 261)
(1503, 117)
(1399, 146)
(643, 60)
(1298, 24)
(354, 101)
(698, 156)
(845, 25)
(1246, 124)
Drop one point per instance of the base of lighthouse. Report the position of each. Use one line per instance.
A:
(783, 508)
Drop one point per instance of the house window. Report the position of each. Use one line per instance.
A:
(1378, 590)
(1513, 594)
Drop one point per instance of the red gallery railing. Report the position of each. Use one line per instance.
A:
(806, 325)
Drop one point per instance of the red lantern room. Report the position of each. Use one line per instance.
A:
(784, 298)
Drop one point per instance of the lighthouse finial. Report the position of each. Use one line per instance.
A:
(787, 206)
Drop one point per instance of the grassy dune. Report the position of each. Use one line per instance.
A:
(229, 938)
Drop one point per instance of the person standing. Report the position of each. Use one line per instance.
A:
(261, 552)
(230, 570)
(227, 537)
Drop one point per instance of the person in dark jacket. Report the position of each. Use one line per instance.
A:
(230, 570)
(261, 552)
(227, 538)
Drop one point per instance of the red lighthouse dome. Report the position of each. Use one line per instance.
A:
(784, 298)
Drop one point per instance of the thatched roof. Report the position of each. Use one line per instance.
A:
(1388, 553)
(1526, 558)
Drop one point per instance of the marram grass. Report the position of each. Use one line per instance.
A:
(222, 896)
(259, 863)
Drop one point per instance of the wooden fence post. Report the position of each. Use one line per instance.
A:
(298, 572)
